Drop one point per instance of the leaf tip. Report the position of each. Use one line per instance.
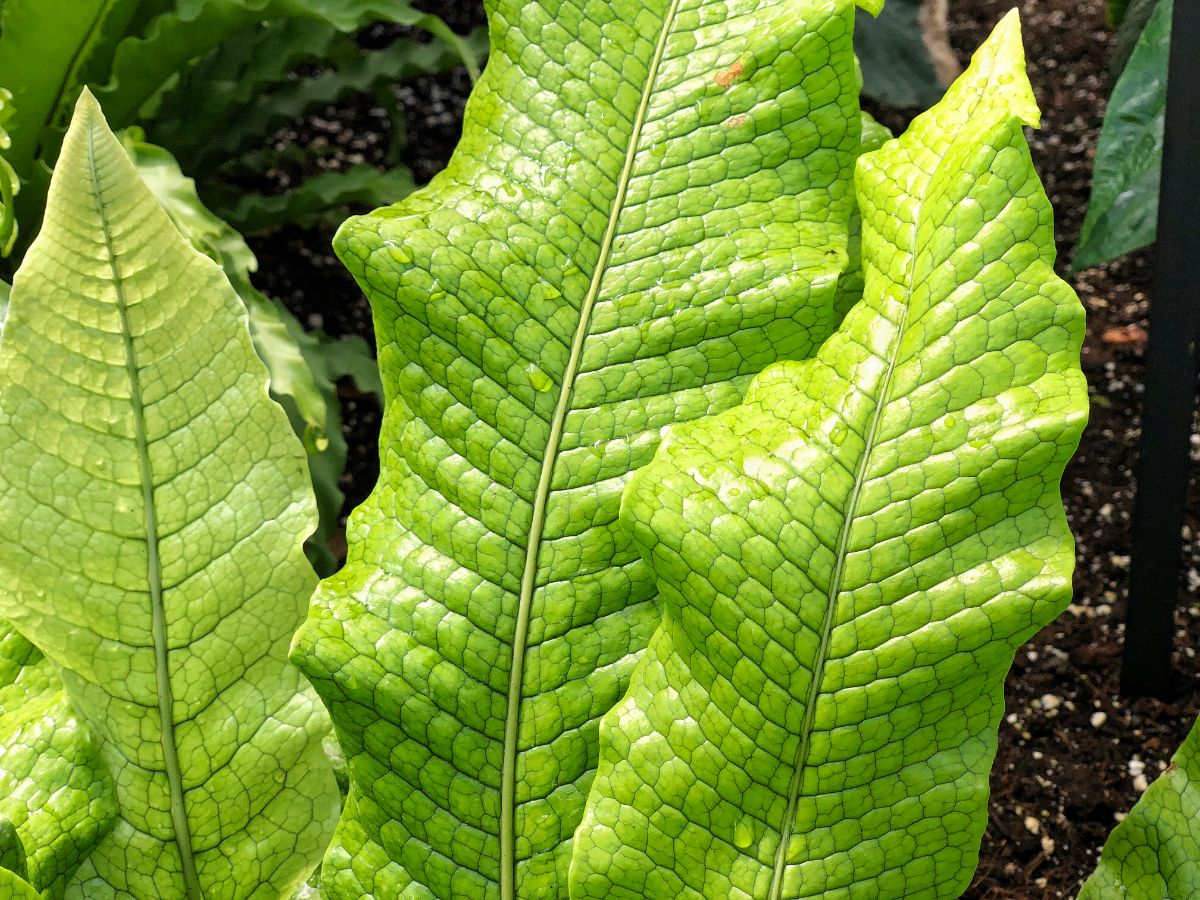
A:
(1001, 59)
(874, 7)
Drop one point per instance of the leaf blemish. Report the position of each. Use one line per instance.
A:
(726, 77)
(735, 121)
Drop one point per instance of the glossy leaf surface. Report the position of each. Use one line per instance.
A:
(649, 203)
(849, 560)
(1122, 214)
(157, 502)
(1155, 851)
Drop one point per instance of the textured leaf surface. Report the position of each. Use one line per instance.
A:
(56, 800)
(648, 205)
(1122, 213)
(298, 381)
(849, 560)
(156, 503)
(1155, 851)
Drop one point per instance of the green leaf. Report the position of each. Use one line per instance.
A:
(350, 15)
(280, 336)
(352, 357)
(44, 44)
(291, 376)
(1137, 13)
(45, 48)
(1122, 213)
(849, 560)
(367, 72)
(10, 183)
(299, 381)
(156, 503)
(214, 94)
(1155, 851)
(896, 65)
(321, 195)
(56, 800)
(647, 206)
(143, 65)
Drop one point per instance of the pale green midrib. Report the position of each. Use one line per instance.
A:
(508, 777)
(183, 837)
(835, 588)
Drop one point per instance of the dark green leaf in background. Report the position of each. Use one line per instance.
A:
(1122, 213)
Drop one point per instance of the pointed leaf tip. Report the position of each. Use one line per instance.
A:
(874, 7)
(1001, 59)
(88, 105)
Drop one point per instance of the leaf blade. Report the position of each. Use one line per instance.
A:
(507, 442)
(1155, 850)
(808, 722)
(183, 680)
(1122, 213)
(56, 800)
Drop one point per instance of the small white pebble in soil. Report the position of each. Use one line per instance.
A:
(1032, 825)
(1047, 844)
(1098, 719)
(1050, 702)
(1136, 767)
(1011, 719)
(1119, 560)
(1140, 783)
(1119, 817)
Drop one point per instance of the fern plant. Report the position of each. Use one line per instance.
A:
(650, 203)
(806, 583)
(849, 560)
(158, 503)
(207, 79)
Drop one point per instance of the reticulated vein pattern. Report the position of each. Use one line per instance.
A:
(848, 561)
(649, 204)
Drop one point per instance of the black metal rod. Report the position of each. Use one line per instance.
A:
(1171, 364)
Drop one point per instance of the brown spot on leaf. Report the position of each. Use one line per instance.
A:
(735, 121)
(726, 77)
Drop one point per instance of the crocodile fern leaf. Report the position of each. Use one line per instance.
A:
(157, 502)
(1155, 850)
(650, 202)
(849, 560)
(56, 799)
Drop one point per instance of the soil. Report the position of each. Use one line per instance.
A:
(1073, 756)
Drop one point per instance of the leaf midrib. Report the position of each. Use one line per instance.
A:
(835, 588)
(541, 497)
(179, 820)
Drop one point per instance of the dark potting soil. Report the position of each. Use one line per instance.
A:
(1073, 755)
